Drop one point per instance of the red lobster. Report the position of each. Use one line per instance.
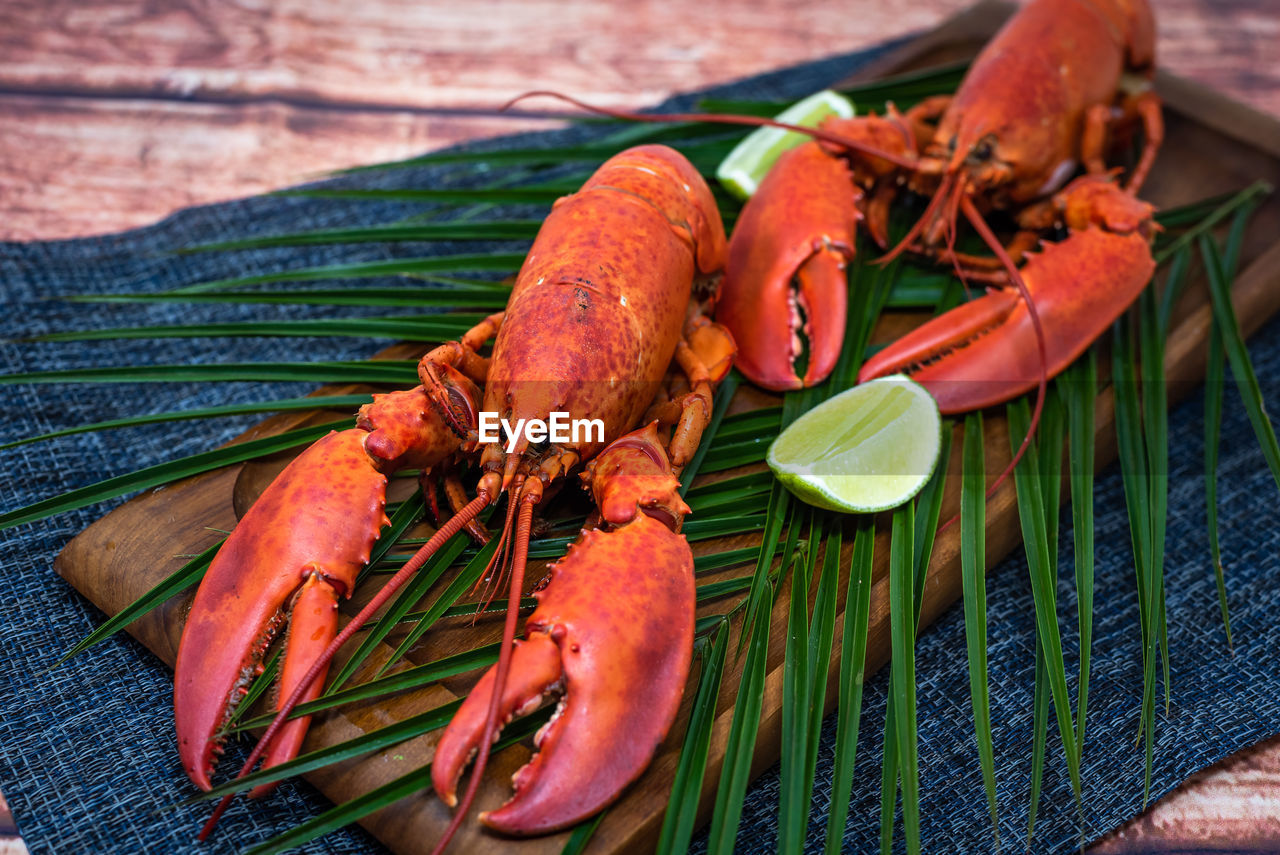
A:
(1038, 100)
(600, 323)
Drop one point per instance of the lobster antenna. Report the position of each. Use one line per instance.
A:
(944, 188)
(975, 219)
(715, 119)
(497, 561)
(442, 535)
(504, 568)
(519, 559)
(953, 214)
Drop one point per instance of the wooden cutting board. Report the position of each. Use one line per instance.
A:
(1211, 146)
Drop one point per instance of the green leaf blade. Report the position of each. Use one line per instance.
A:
(973, 551)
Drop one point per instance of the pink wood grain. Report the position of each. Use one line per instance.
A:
(117, 113)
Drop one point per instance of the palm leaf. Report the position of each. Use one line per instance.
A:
(416, 677)
(424, 268)
(465, 230)
(793, 802)
(808, 651)
(1048, 448)
(346, 402)
(1079, 387)
(418, 328)
(373, 740)
(902, 635)
(1134, 475)
(582, 833)
(1214, 382)
(1238, 355)
(164, 473)
(450, 294)
(746, 720)
(379, 797)
(853, 659)
(1028, 477)
(401, 373)
(973, 563)
(686, 789)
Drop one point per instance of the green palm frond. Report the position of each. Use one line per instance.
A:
(686, 789)
(973, 568)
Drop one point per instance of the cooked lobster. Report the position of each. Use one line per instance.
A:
(602, 323)
(1045, 95)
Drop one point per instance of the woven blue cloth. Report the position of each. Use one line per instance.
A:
(87, 757)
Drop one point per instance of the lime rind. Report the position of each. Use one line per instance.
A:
(750, 161)
(870, 448)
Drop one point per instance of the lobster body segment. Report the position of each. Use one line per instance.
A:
(599, 305)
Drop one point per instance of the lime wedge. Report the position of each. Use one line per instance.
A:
(870, 448)
(746, 166)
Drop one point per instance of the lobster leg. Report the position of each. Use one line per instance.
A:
(613, 632)
(448, 372)
(704, 356)
(1147, 106)
(985, 352)
(456, 494)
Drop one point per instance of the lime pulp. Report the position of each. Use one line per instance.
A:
(870, 448)
(750, 161)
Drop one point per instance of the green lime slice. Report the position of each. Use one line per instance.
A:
(746, 166)
(870, 448)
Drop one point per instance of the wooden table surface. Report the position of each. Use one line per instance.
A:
(116, 113)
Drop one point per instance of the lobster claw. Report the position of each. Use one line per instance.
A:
(297, 550)
(613, 631)
(303, 534)
(784, 292)
(985, 352)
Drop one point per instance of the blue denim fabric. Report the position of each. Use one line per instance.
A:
(86, 749)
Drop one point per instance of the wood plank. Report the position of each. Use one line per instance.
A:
(117, 108)
(139, 160)
(433, 54)
(1229, 807)
(10, 842)
(438, 54)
